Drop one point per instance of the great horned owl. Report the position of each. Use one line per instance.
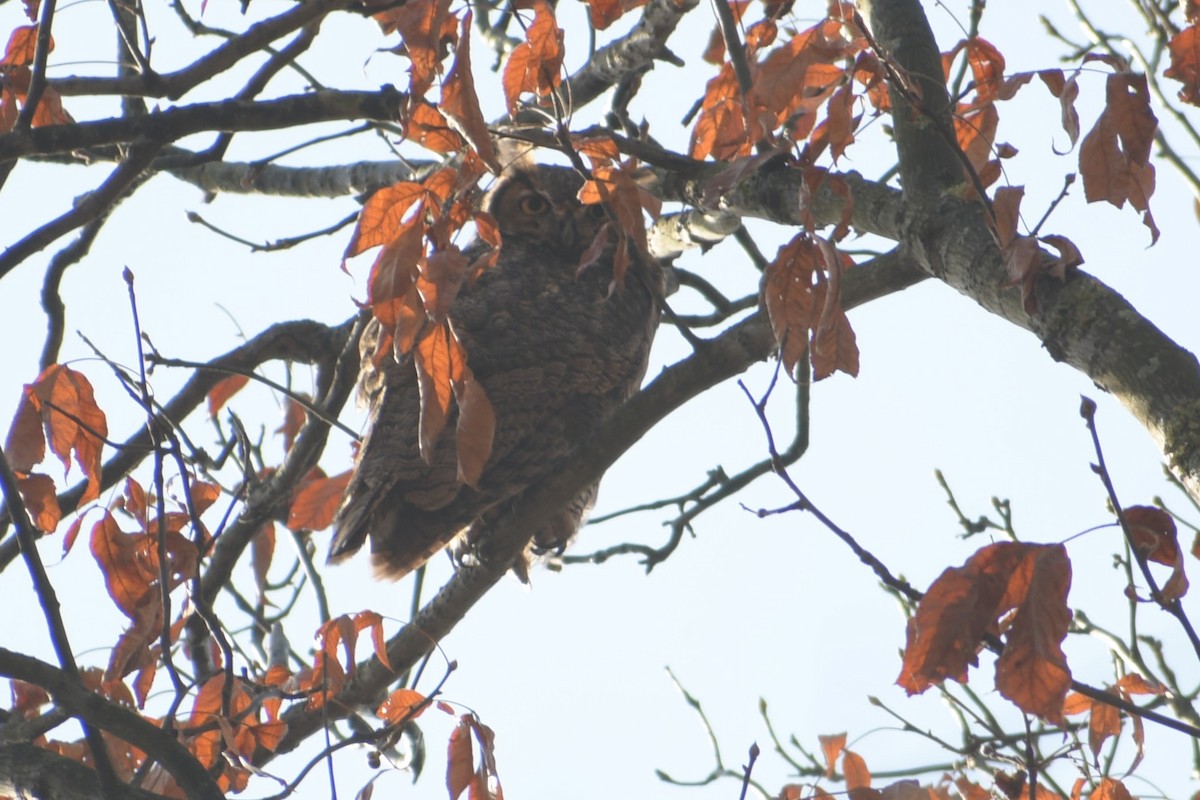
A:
(556, 349)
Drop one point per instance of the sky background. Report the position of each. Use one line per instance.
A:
(571, 672)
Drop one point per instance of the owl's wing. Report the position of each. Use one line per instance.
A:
(391, 481)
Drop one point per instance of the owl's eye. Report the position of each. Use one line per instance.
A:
(597, 211)
(533, 203)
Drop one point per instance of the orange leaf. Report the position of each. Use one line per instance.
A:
(380, 219)
(959, 607)
(25, 446)
(369, 619)
(604, 13)
(460, 759)
(425, 26)
(792, 301)
(1114, 158)
(426, 126)
(535, 65)
(262, 549)
(834, 346)
(1152, 532)
(855, 770)
(475, 431)
(1032, 671)
(294, 417)
(126, 578)
(1132, 683)
(1185, 63)
(461, 104)
(442, 275)
(832, 747)
(1105, 721)
(317, 502)
(440, 361)
(41, 501)
(223, 390)
(401, 705)
(21, 46)
(1007, 205)
(72, 420)
(1109, 789)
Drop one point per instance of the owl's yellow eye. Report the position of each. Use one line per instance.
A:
(533, 203)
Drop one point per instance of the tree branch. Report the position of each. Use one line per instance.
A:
(223, 115)
(121, 722)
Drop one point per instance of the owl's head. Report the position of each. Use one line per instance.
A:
(539, 207)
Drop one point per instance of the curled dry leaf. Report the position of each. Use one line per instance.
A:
(1027, 581)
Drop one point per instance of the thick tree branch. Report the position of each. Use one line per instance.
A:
(35, 772)
(121, 722)
(176, 84)
(224, 115)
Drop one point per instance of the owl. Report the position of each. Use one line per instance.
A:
(557, 349)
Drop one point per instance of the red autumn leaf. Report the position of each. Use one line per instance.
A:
(41, 501)
(21, 46)
(1110, 789)
(382, 215)
(426, 126)
(440, 362)
(225, 388)
(372, 620)
(792, 302)
(1114, 158)
(854, 768)
(714, 53)
(975, 130)
(262, 550)
(1152, 532)
(402, 705)
(1132, 683)
(966, 602)
(604, 13)
(1022, 264)
(832, 747)
(27, 698)
(339, 632)
(1007, 205)
(1068, 258)
(25, 446)
(70, 419)
(986, 63)
(798, 76)
(317, 503)
(837, 129)
(461, 104)
(425, 27)
(460, 759)
(476, 429)
(727, 125)
(1032, 671)
(535, 65)
(442, 274)
(1185, 63)
(294, 417)
(834, 346)
(1066, 90)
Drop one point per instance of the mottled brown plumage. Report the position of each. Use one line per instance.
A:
(556, 350)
